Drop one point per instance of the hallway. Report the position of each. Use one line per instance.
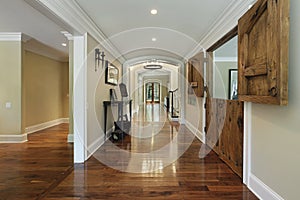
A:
(42, 168)
(187, 178)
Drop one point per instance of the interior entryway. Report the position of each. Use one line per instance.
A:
(152, 92)
(179, 180)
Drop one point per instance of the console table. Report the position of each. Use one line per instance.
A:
(120, 105)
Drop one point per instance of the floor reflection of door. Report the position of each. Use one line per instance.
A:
(152, 93)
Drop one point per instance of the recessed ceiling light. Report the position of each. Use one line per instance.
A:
(154, 39)
(64, 44)
(153, 11)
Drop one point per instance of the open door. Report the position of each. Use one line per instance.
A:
(224, 116)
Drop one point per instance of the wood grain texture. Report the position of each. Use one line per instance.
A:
(196, 73)
(31, 169)
(225, 128)
(263, 34)
(187, 178)
(43, 169)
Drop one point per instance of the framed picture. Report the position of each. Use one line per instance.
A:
(111, 73)
(233, 84)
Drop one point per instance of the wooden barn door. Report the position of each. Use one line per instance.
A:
(224, 118)
(263, 53)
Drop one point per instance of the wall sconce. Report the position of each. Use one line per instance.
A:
(99, 56)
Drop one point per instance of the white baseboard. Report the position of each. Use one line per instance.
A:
(92, 148)
(42, 126)
(195, 131)
(261, 190)
(20, 138)
(70, 138)
(13, 138)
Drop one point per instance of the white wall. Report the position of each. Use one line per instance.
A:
(276, 130)
(134, 84)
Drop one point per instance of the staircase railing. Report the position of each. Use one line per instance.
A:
(175, 105)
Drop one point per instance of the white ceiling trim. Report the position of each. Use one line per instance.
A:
(72, 14)
(225, 59)
(223, 24)
(171, 61)
(11, 36)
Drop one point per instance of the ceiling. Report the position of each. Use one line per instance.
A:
(179, 26)
(18, 16)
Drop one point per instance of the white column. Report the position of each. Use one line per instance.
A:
(79, 99)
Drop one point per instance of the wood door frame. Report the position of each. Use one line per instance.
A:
(247, 107)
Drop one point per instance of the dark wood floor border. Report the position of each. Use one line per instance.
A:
(56, 183)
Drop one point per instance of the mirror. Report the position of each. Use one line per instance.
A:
(111, 73)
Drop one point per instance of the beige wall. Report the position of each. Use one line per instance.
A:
(276, 130)
(193, 110)
(97, 92)
(65, 89)
(45, 89)
(10, 87)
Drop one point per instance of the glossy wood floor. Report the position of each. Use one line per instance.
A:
(47, 173)
(29, 170)
(187, 178)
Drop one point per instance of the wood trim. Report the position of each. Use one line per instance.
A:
(228, 36)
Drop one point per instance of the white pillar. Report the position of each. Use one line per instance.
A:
(79, 99)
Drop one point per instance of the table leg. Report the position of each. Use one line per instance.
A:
(105, 120)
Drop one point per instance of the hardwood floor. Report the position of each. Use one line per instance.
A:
(187, 178)
(29, 170)
(42, 169)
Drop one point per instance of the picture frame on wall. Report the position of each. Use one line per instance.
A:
(111, 73)
(233, 84)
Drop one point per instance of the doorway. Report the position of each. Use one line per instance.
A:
(152, 92)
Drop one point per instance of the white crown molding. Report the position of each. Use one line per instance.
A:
(68, 35)
(73, 15)
(11, 36)
(226, 21)
(134, 61)
(225, 59)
